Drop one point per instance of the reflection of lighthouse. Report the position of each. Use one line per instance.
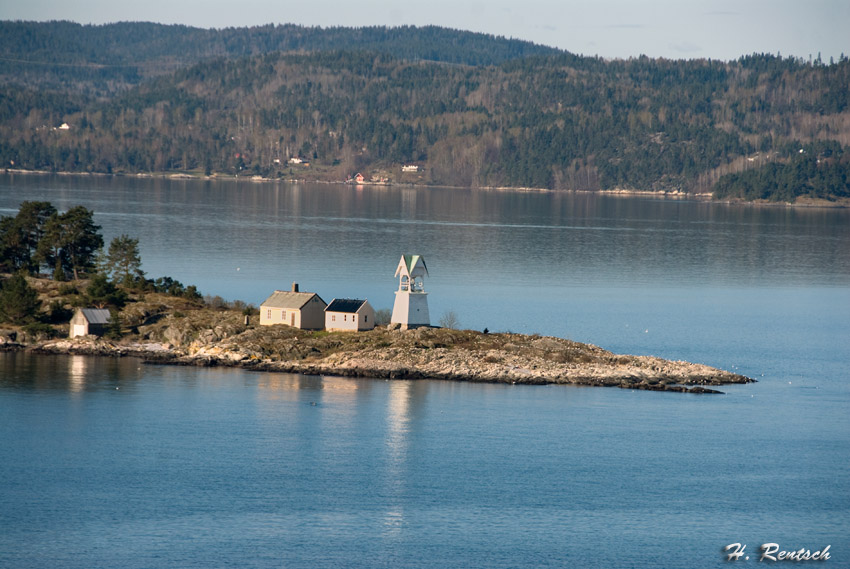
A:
(411, 301)
(397, 446)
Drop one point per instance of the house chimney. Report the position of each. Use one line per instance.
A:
(294, 287)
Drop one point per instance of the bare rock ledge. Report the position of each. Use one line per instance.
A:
(425, 353)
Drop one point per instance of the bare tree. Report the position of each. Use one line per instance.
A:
(449, 320)
(383, 316)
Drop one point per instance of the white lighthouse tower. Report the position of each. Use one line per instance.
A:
(411, 301)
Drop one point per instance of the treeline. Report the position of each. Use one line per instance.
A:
(69, 245)
(101, 59)
(39, 236)
(528, 116)
(814, 171)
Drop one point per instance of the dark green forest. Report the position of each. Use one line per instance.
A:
(468, 109)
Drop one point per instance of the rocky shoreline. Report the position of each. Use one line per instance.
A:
(387, 353)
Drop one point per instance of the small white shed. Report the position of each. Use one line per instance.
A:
(89, 321)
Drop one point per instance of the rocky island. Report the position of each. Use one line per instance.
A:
(209, 337)
(166, 323)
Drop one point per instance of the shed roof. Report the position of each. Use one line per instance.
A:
(96, 315)
(288, 299)
(351, 305)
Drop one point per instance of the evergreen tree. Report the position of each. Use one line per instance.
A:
(31, 219)
(113, 330)
(122, 262)
(19, 303)
(20, 236)
(70, 242)
(9, 245)
(102, 293)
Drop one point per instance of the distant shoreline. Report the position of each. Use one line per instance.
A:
(664, 194)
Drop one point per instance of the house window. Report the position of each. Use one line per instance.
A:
(269, 314)
(333, 317)
(365, 318)
(283, 314)
(345, 317)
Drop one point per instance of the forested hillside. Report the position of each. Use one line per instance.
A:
(468, 109)
(103, 59)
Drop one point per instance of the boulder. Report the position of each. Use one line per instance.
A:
(174, 335)
(8, 336)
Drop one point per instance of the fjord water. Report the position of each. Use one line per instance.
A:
(111, 463)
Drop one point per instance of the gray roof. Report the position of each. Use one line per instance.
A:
(345, 305)
(287, 299)
(96, 315)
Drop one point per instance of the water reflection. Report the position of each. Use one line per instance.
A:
(334, 417)
(408, 203)
(284, 386)
(78, 369)
(74, 373)
(398, 424)
(397, 446)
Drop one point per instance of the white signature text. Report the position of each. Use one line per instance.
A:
(771, 552)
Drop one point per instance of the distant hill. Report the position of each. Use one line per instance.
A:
(121, 54)
(467, 109)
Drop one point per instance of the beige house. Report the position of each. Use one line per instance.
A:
(350, 315)
(88, 321)
(305, 310)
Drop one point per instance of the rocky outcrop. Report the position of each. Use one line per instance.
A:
(459, 355)
(9, 340)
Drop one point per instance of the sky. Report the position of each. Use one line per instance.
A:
(673, 29)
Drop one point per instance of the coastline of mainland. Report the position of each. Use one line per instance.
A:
(802, 202)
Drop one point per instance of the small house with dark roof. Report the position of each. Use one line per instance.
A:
(305, 310)
(89, 321)
(349, 314)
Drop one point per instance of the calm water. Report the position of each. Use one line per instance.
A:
(108, 463)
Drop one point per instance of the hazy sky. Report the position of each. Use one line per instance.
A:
(719, 29)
